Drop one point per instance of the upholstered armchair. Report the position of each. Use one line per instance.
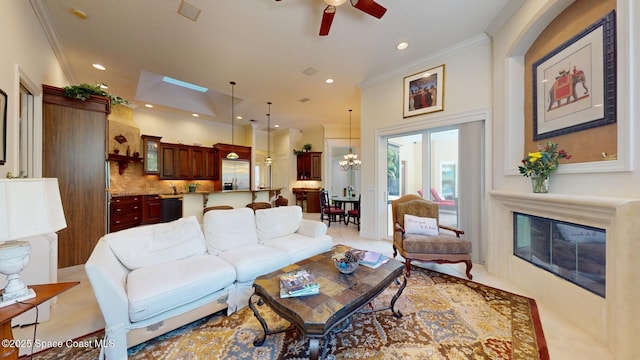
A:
(421, 237)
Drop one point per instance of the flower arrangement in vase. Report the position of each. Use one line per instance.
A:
(539, 165)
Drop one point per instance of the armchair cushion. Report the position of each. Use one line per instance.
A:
(158, 243)
(420, 225)
(439, 244)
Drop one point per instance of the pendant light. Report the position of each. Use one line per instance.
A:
(350, 160)
(268, 161)
(232, 155)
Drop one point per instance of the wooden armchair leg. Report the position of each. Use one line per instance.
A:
(469, 265)
(407, 267)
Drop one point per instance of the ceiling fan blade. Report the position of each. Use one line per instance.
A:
(370, 7)
(327, 19)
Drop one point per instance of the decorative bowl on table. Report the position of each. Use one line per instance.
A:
(346, 262)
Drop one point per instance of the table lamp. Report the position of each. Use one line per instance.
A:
(28, 207)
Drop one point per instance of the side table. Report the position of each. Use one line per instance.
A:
(44, 292)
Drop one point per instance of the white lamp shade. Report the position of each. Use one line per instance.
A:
(30, 207)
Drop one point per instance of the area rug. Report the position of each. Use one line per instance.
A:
(444, 317)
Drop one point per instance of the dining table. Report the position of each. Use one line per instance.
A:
(342, 201)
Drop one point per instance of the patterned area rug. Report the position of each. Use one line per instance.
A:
(445, 317)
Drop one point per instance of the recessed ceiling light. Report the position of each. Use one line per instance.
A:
(79, 13)
(195, 115)
(148, 105)
(403, 45)
(329, 81)
(239, 117)
(276, 125)
(99, 67)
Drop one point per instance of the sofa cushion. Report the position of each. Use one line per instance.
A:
(299, 247)
(275, 222)
(158, 243)
(229, 229)
(155, 289)
(251, 261)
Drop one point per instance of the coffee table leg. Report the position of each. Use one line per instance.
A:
(259, 341)
(397, 313)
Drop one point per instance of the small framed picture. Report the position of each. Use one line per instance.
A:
(424, 92)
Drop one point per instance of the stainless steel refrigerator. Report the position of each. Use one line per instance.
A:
(236, 174)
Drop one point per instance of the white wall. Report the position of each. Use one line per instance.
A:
(467, 88)
(585, 183)
(24, 49)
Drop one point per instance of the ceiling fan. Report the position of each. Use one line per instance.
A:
(368, 6)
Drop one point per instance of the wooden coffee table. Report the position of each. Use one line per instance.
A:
(341, 296)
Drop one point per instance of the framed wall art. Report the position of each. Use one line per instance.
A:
(574, 86)
(3, 127)
(424, 92)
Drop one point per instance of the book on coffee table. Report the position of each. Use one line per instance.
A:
(373, 259)
(298, 283)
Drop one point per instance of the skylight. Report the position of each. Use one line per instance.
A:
(184, 84)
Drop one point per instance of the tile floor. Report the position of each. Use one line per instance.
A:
(77, 313)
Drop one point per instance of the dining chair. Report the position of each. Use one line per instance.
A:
(329, 212)
(353, 215)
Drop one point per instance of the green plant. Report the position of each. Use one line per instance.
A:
(297, 152)
(307, 147)
(192, 185)
(84, 91)
(543, 161)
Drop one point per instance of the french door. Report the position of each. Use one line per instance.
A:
(445, 165)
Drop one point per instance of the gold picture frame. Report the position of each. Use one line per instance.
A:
(424, 92)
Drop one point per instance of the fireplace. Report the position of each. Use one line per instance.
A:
(612, 319)
(574, 252)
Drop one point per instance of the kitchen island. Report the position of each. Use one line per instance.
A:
(195, 202)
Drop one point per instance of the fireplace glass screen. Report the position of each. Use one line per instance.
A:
(571, 251)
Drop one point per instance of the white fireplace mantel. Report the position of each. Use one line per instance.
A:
(614, 320)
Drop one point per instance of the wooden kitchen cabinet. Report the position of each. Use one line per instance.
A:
(126, 212)
(74, 144)
(183, 162)
(151, 155)
(151, 209)
(309, 166)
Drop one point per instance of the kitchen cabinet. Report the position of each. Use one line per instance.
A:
(151, 155)
(198, 162)
(151, 209)
(183, 162)
(74, 144)
(125, 211)
(309, 166)
(176, 161)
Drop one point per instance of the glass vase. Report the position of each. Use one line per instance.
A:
(540, 183)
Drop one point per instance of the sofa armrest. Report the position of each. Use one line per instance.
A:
(312, 228)
(108, 278)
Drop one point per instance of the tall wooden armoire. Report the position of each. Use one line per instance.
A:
(74, 151)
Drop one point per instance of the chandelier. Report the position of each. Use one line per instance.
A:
(268, 161)
(232, 155)
(350, 160)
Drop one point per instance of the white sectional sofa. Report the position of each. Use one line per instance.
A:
(152, 279)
